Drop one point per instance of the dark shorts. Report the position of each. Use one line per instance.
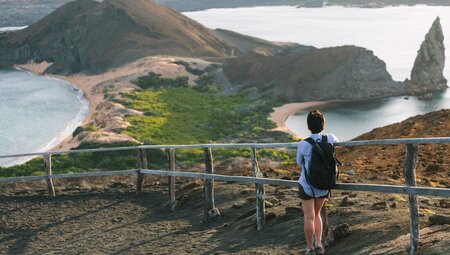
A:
(302, 194)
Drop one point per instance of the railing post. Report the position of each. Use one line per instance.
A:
(171, 179)
(410, 179)
(260, 193)
(142, 161)
(327, 233)
(208, 188)
(48, 173)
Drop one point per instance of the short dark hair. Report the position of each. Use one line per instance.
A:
(316, 121)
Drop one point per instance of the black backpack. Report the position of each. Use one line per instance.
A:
(323, 171)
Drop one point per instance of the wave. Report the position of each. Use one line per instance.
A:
(6, 29)
(75, 122)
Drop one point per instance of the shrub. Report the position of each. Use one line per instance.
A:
(154, 81)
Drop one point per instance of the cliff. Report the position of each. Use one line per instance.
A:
(427, 73)
(346, 72)
(90, 36)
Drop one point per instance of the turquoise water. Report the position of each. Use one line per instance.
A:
(394, 34)
(38, 112)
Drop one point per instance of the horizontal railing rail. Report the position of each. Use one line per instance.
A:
(434, 140)
(395, 189)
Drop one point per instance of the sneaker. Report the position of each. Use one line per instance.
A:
(319, 250)
(310, 252)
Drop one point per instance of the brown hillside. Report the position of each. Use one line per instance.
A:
(87, 35)
(384, 164)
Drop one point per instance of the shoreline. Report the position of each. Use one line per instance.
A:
(80, 83)
(281, 114)
(64, 134)
(87, 83)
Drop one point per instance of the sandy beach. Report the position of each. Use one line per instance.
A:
(282, 113)
(87, 82)
(158, 64)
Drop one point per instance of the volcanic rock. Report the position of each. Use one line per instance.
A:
(346, 72)
(427, 73)
(439, 219)
(341, 231)
(380, 206)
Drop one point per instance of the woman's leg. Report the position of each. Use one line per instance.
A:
(308, 217)
(318, 227)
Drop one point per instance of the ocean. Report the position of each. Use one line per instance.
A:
(38, 112)
(394, 34)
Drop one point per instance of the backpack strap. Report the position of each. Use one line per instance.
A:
(313, 144)
(325, 140)
(310, 141)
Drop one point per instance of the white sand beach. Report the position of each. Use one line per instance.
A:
(282, 113)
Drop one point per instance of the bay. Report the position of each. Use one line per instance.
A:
(38, 112)
(394, 34)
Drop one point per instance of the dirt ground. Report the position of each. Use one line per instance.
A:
(105, 216)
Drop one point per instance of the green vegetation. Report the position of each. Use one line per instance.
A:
(182, 115)
(154, 81)
(86, 161)
(80, 129)
(188, 68)
(206, 84)
(175, 114)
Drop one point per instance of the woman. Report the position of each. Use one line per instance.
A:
(312, 199)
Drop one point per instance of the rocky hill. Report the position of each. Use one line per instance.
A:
(92, 36)
(346, 72)
(428, 69)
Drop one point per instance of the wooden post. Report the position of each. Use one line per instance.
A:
(208, 188)
(142, 161)
(171, 180)
(48, 173)
(260, 193)
(327, 233)
(410, 179)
